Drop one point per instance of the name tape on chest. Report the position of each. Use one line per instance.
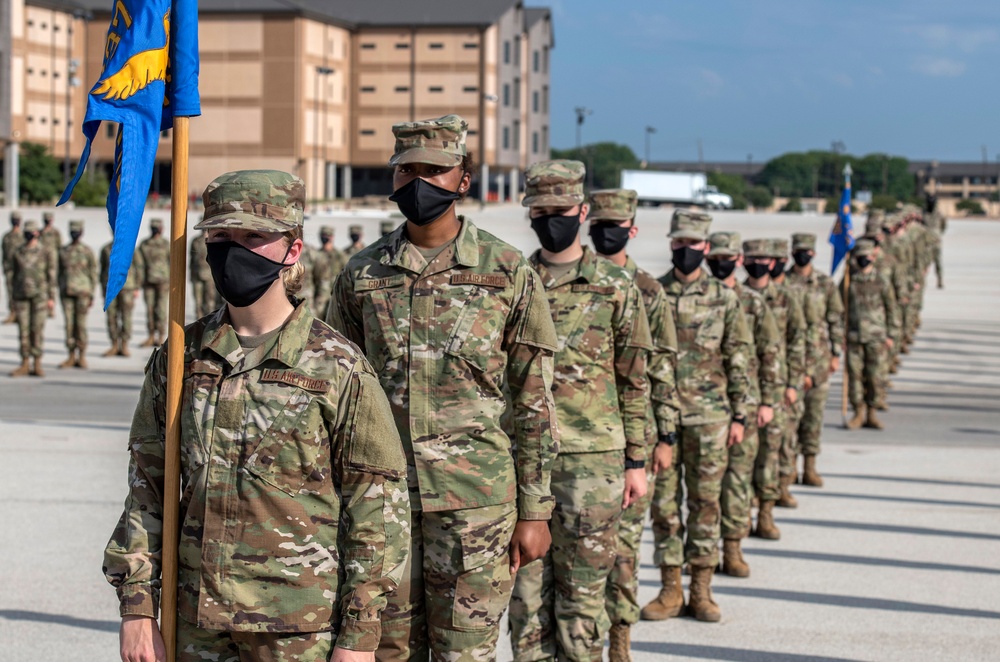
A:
(606, 290)
(291, 378)
(368, 284)
(486, 280)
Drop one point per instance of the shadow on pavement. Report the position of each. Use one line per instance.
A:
(900, 499)
(889, 528)
(730, 654)
(59, 619)
(920, 481)
(869, 560)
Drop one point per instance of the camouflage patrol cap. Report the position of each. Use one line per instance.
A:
(864, 247)
(385, 227)
(76, 226)
(15, 217)
(354, 229)
(264, 200)
(803, 241)
(48, 217)
(31, 226)
(439, 141)
(554, 184)
(893, 220)
(723, 244)
(613, 204)
(757, 248)
(875, 223)
(156, 223)
(326, 231)
(686, 224)
(779, 249)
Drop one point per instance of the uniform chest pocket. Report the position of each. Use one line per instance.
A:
(477, 333)
(201, 392)
(588, 323)
(710, 324)
(384, 341)
(293, 455)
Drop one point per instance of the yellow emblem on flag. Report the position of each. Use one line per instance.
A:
(138, 71)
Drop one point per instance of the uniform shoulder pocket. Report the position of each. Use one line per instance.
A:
(373, 444)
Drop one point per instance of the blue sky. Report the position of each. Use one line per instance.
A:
(918, 78)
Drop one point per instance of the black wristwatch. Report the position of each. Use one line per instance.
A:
(742, 420)
(670, 439)
(635, 464)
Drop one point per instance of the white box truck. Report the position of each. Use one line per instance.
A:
(686, 188)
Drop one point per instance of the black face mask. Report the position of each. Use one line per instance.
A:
(608, 238)
(778, 268)
(75, 235)
(28, 236)
(864, 261)
(355, 237)
(687, 259)
(802, 258)
(421, 202)
(722, 269)
(757, 269)
(241, 276)
(556, 233)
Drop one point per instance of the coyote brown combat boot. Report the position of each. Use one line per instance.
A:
(36, 369)
(620, 643)
(21, 370)
(872, 421)
(733, 563)
(766, 528)
(81, 361)
(10, 319)
(70, 360)
(148, 342)
(670, 601)
(113, 350)
(859, 418)
(786, 500)
(123, 349)
(700, 602)
(810, 476)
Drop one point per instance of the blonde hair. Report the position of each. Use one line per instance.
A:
(292, 277)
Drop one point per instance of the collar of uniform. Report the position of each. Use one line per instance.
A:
(466, 250)
(586, 269)
(220, 337)
(630, 266)
(675, 285)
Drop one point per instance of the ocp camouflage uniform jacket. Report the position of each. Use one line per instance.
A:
(155, 252)
(601, 391)
(713, 349)
(661, 365)
(201, 272)
(294, 511)
(786, 307)
(326, 266)
(12, 242)
(33, 272)
(901, 252)
(448, 340)
(77, 271)
(51, 239)
(131, 280)
(827, 305)
(872, 312)
(764, 366)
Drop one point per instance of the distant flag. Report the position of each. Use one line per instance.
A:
(842, 235)
(150, 76)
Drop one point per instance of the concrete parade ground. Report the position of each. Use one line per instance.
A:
(896, 558)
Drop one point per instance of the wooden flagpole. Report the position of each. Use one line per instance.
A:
(175, 382)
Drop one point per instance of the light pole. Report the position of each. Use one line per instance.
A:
(320, 71)
(649, 132)
(581, 115)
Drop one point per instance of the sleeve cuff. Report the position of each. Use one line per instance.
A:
(138, 600)
(531, 507)
(358, 635)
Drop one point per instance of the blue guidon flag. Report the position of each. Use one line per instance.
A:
(150, 76)
(842, 235)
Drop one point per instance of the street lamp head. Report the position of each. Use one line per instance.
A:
(324, 71)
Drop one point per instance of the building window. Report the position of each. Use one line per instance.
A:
(368, 132)
(506, 94)
(534, 142)
(517, 92)
(109, 129)
(470, 46)
(534, 101)
(55, 121)
(545, 59)
(402, 88)
(506, 52)
(545, 98)
(367, 47)
(164, 135)
(470, 88)
(402, 47)
(435, 88)
(368, 88)
(534, 61)
(517, 51)
(506, 137)
(472, 132)
(436, 46)
(545, 138)
(517, 134)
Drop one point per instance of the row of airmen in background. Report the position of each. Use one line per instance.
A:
(37, 265)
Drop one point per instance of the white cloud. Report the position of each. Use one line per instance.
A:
(939, 67)
(843, 80)
(945, 37)
(710, 83)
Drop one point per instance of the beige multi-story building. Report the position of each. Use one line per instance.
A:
(311, 87)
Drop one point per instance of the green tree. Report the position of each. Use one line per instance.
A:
(884, 202)
(41, 176)
(92, 189)
(759, 197)
(604, 161)
(971, 206)
(793, 205)
(820, 173)
(732, 185)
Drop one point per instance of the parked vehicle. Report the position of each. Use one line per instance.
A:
(685, 188)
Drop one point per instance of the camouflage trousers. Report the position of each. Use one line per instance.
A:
(737, 483)
(767, 465)
(75, 311)
(119, 316)
(622, 594)
(865, 364)
(455, 587)
(705, 457)
(558, 606)
(9, 281)
(665, 513)
(195, 644)
(155, 297)
(911, 313)
(31, 315)
(790, 439)
(938, 265)
(206, 298)
(811, 426)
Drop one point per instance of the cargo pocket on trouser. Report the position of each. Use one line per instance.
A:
(484, 583)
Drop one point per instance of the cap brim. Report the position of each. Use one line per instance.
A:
(546, 200)
(608, 216)
(687, 234)
(246, 221)
(424, 155)
(721, 252)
